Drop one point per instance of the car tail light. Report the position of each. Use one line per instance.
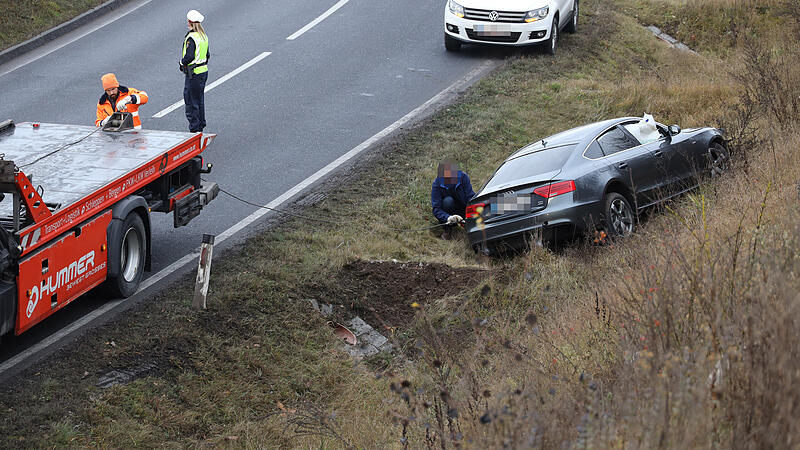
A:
(474, 211)
(553, 189)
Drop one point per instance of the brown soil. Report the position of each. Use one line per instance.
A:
(382, 292)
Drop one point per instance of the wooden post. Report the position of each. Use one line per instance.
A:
(203, 272)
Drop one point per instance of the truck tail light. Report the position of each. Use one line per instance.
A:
(553, 189)
(475, 210)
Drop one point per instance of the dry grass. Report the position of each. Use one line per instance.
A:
(716, 26)
(682, 336)
(679, 337)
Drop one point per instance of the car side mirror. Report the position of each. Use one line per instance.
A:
(674, 129)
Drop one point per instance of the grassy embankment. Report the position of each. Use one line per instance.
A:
(682, 336)
(23, 19)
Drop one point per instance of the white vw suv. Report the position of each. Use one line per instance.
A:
(508, 22)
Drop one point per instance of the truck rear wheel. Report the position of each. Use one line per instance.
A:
(131, 251)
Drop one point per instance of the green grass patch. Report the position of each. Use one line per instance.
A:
(22, 20)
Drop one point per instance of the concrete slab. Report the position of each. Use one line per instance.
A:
(674, 43)
(671, 40)
(358, 326)
(370, 341)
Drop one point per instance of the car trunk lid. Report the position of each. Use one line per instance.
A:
(509, 201)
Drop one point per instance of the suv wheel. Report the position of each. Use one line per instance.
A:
(451, 44)
(573, 23)
(552, 43)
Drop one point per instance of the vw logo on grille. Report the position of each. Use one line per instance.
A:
(494, 15)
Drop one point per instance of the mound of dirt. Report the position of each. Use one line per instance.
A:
(382, 291)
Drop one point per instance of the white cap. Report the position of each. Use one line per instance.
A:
(194, 16)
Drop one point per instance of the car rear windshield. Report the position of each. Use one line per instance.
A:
(528, 165)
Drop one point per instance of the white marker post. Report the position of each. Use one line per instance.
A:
(203, 272)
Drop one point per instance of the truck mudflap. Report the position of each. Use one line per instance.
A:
(188, 207)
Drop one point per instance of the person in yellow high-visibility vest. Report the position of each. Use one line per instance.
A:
(194, 63)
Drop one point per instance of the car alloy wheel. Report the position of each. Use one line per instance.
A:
(553, 39)
(619, 215)
(718, 160)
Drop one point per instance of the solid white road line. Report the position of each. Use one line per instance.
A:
(69, 38)
(211, 86)
(319, 19)
(163, 273)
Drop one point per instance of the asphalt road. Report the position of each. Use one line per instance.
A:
(311, 100)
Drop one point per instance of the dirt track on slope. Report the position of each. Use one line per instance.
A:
(382, 292)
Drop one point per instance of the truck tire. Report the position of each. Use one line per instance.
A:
(131, 249)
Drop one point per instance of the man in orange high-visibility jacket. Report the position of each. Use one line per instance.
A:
(119, 98)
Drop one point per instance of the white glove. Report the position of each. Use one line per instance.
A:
(121, 104)
(104, 121)
(454, 219)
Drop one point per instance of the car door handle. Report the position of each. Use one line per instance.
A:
(623, 166)
(658, 153)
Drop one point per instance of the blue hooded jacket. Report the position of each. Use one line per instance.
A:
(461, 192)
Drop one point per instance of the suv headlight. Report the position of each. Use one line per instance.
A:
(536, 14)
(456, 9)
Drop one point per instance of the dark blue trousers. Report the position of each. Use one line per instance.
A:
(452, 206)
(193, 96)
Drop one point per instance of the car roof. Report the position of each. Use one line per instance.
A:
(579, 136)
(573, 140)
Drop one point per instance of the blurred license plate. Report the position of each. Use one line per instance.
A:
(492, 30)
(511, 203)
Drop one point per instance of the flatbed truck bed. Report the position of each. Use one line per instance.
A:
(76, 210)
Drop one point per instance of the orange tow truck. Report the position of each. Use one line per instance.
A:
(75, 204)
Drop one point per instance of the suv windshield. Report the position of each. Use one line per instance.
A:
(528, 165)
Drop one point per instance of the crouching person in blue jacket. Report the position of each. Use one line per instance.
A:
(450, 193)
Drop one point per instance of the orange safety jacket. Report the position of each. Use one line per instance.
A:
(105, 107)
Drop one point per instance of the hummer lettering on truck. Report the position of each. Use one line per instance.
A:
(63, 277)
